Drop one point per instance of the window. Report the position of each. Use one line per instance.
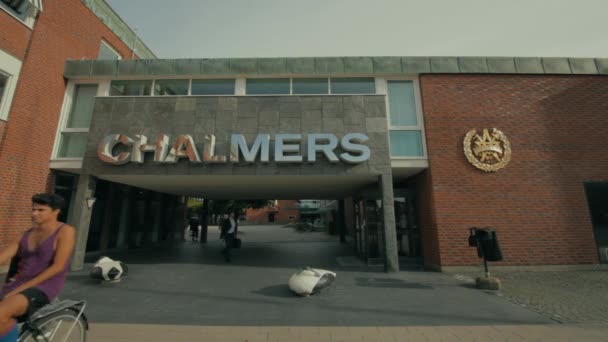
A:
(402, 103)
(310, 86)
(107, 52)
(353, 85)
(17, 6)
(405, 143)
(171, 87)
(213, 87)
(75, 128)
(9, 74)
(268, 86)
(405, 128)
(130, 88)
(3, 82)
(23, 10)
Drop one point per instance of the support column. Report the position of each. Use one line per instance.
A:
(156, 209)
(106, 226)
(180, 219)
(80, 218)
(204, 221)
(390, 233)
(341, 221)
(123, 227)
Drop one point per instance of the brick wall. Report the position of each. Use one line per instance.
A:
(66, 29)
(16, 42)
(557, 128)
(287, 208)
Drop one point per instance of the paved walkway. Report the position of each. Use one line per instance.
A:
(563, 296)
(187, 292)
(162, 333)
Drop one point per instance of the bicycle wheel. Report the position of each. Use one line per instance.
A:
(57, 327)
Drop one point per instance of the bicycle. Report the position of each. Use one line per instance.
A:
(60, 321)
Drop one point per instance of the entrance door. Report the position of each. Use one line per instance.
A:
(406, 223)
(65, 185)
(270, 217)
(597, 198)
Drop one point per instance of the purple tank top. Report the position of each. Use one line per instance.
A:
(32, 263)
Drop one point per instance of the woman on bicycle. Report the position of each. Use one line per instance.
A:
(39, 264)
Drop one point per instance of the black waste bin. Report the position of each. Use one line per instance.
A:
(486, 242)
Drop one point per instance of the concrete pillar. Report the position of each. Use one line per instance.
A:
(204, 221)
(341, 222)
(80, 218)
(123, 227)
(180, 218)
(107, 218)
(156, 209)
(390, 233)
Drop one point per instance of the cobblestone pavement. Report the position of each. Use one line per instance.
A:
(564, 296)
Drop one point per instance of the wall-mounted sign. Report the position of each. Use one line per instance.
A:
(119, 149)
(489, 152)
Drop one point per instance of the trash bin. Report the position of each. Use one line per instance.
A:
(486, 242)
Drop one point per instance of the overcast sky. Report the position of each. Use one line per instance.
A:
(304, 28)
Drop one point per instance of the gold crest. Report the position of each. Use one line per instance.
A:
(489, 152)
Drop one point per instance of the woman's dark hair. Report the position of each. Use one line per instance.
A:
(52, 200)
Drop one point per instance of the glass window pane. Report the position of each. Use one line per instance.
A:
(72, 145)
(82, 106)
(353, 85)
(401, 103)
(268, 86)
(3, 82)
(310, 86)
(406, 143)
(171, 87)
(130, 88)
(213, 87)
(105, 52)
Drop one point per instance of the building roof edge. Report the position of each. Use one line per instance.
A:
(334, 66)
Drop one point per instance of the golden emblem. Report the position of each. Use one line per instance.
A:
(489, 152)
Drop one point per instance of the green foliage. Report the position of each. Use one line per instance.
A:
(236, 206)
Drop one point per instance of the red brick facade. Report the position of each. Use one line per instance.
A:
(282, 213)
(557, 127)
(64, 30)
(16, 42)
